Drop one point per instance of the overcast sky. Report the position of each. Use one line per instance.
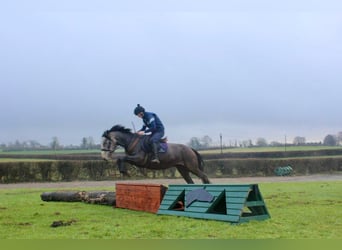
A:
(245, 69)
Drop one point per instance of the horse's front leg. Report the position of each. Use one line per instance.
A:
(135, 159)
(132, 159)
(122, 167)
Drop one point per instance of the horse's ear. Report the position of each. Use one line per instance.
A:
(105, 134)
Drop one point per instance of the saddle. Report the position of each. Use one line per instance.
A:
(146, 145)
(163, 140)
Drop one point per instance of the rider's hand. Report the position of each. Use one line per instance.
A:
(140, 132)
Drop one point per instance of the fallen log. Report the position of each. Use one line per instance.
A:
(93, 197)
(70, 196)
(100, 197)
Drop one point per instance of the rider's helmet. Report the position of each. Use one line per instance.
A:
(138, 109)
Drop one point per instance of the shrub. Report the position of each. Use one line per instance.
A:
(71, 170)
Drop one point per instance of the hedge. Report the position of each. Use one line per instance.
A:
(71, 170)
(267, 167)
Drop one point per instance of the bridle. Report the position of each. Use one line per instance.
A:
(133, 143)
(105, 135)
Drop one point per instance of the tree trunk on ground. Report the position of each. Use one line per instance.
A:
(100, 197)
(71, 196)
(94, 197)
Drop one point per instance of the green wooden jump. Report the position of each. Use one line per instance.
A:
(233, 203)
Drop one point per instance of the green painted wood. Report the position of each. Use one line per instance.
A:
(254, 203)
(234, 203)
(233, 206)
(196, 209)
(240, 200)
(220, 217)
(239, 194)
(234, 212)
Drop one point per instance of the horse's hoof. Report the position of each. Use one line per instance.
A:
(125, 174)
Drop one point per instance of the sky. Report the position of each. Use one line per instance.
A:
(243, 69)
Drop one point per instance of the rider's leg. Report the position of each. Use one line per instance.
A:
(155, 138)
(155, 149)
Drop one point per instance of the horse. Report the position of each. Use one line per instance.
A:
(186, 160)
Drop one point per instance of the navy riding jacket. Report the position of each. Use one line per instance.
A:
(152, 123)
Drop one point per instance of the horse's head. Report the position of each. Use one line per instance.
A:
(116, 136)
(108, 145)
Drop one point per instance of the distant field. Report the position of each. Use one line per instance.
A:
(50, 152)
(269, 149)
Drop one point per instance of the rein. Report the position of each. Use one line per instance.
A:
(133, 143)
(105, 135)
(106, 150)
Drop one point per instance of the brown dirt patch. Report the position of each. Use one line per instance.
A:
(111, 184)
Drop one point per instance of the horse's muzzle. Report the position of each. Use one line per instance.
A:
(105, 154)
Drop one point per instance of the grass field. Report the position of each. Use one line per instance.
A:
(300, 210)
(23, 160)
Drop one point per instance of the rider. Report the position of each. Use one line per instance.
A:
(153, 125)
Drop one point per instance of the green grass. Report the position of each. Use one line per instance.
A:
(299, 210)
(23, 160)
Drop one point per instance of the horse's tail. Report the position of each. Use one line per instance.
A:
(199, 159)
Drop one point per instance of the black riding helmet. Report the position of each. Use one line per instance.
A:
(138, 109)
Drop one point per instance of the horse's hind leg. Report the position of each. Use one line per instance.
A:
(185, 174)
(201, 175)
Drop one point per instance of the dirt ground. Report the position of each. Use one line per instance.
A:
(111, 184)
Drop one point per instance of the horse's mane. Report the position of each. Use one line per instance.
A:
(120, 128)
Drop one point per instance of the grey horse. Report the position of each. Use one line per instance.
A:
(185, 159)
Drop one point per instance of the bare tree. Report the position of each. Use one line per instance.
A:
(84, 143)
(330, 140)
(87, 143)
(206, 141)
(339, 137)
(194, 143)
(276, 144)
(55, 143)
(299, 140)
(246, 143)
(261, 142)
(91, 142)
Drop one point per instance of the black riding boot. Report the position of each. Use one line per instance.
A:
(155, 149)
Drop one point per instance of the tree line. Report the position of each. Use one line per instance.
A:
(206, 142)
(86, 143)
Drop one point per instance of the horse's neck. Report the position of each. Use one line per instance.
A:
(123, 139)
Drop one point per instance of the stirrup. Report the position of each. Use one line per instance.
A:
(155, 160)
